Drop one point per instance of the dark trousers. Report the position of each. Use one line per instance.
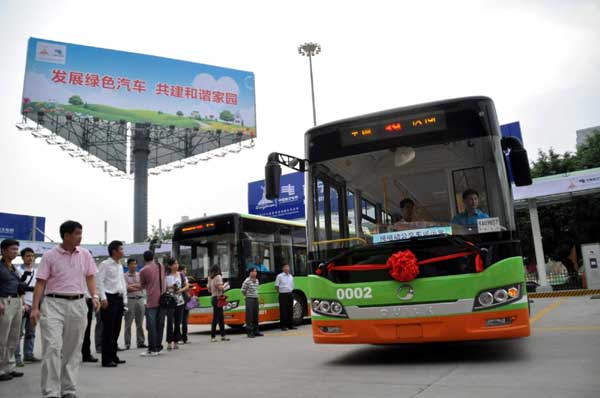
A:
(286, 308)
(155, 324)
(218, 318)
(174, 317)
(112, 318)
(85, 348)
(184, 324)
(251, 315)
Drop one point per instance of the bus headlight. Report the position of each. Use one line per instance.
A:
(485, 299)
(328, 308)
(498, 296)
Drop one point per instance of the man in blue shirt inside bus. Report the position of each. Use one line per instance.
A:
(258, 264)
(471, 213)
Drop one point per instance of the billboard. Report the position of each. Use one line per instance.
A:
(22, 227)
(87, 94)
(289, 205)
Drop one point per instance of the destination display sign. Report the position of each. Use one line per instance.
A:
(407, 125)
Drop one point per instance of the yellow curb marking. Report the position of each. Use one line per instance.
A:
(545, 311)
(583, 328)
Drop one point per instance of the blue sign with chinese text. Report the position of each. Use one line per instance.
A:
(21, 227)
(289, 205)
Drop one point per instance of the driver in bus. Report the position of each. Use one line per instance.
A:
(471, 213)
(407, 210)
(258, 264)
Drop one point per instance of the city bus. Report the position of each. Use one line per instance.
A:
(447, 269)
(237, 242)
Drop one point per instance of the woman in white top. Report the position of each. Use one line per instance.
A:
(216, 288)
(175, 284)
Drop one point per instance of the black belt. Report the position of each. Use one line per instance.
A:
(9, 296)
(135, 298)
(62, 296)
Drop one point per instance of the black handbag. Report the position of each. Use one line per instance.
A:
(167, 300)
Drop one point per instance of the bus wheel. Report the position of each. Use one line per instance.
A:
(298, 309)
(236, 327)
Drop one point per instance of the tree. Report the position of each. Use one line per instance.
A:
(552, 163)
(76, 100)
(227, 116)
(179, 113)
(167, 234)
(588, 154)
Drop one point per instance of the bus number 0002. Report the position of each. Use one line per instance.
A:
(356, 293)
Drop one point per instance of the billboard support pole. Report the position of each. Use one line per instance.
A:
(141, 150)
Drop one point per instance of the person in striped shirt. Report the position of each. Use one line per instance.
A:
(250, 292)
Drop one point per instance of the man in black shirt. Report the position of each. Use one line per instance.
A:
(11, 309)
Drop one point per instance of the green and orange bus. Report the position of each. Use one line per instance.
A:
(450, 269)
(237, 242)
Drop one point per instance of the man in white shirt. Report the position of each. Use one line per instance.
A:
(27, 275)
(112, 290)
(284, 283)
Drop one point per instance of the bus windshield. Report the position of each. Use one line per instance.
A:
(448, 188)
(202, 253)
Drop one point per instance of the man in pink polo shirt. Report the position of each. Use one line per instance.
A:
(64, 275)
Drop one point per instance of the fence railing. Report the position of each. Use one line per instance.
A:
(562, 280)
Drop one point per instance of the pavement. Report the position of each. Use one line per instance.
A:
(560, 359)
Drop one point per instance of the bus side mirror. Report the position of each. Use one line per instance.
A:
(272, 179)
(520, 167)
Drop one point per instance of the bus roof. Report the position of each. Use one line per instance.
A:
(241, 215)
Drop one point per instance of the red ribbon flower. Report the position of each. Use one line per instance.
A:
(403, 266)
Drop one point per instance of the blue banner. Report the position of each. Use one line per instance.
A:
(289, 205)
(21, 227)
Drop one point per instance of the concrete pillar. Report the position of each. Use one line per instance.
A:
(141, 150)
(537, 243)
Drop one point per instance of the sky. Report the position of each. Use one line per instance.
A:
(538, 60)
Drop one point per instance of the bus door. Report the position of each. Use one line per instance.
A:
(331, 220)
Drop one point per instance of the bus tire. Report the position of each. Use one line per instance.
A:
(298, 309)
(236, 327)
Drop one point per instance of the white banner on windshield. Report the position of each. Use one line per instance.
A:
(411, 233)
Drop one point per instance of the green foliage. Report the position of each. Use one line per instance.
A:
(552, 163)
(588, 154)
(227, 116)
(75, 100)
(179, 113)
(167, 234)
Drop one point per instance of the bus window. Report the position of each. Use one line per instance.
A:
(351, 218)
(258, 252)
(299, 265)
(335, 213)
(472, 178)
(368, 217)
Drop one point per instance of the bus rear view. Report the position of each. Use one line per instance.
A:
(412, 210)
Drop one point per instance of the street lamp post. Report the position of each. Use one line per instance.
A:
(309, 50)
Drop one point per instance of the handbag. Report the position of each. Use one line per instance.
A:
(167, 300)
(193, 303)
(221, 301)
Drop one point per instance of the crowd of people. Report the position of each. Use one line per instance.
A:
(67, 290)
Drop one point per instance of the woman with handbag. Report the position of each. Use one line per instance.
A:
(218, 300)
(186, 299)
(174, 314)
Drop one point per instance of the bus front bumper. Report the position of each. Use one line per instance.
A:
(464, 327)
